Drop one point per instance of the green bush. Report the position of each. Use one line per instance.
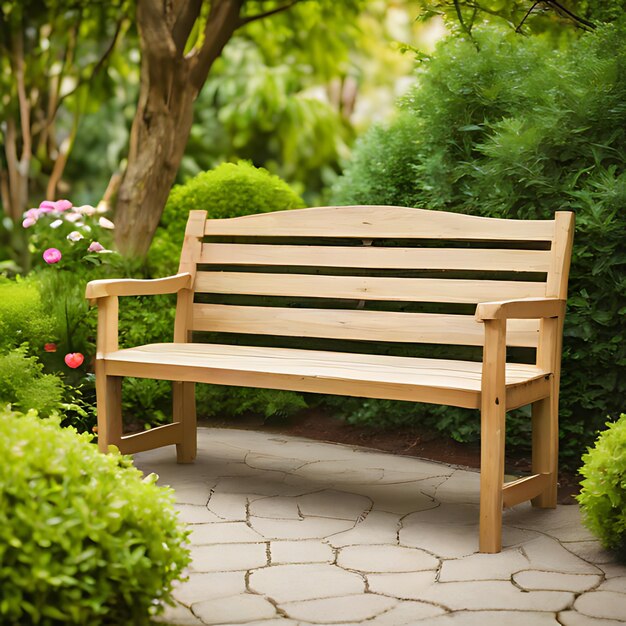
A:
(23, 318)
(84, 538)
(24, 385)
(230, 190)
(520, 130)
(603, 495)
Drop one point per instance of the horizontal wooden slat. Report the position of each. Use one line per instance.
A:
(403, 378)
(374, 257)
(149, 439)
(365, 287)
(356, 325)
(524, 489)
(373, 222)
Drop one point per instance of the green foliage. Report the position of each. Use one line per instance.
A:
(229, 190)
(519, 130)
(84, 537)
(603, 495)
(24, 385)
(23, 317)
(220, 401)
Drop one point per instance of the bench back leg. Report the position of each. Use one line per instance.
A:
(545, 446)
(184, 410)
(109, 408)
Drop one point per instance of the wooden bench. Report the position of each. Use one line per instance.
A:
(361, 259)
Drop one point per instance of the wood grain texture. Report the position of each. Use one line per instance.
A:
(361, 325)
(366, 287)
(427, 380)
(137, 287)
(365, 257)
(529, 308)
(492, 428)
(524, 489)
(375, 222)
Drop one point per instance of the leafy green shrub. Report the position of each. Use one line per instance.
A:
(603, 495)
(24, 385)
(520, 130)
(84, 538)
(23, 317)
(230, 190)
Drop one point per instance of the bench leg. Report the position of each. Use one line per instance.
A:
(184, 410)
(492, 425)
(109, 409)
(545, 451)
(491, 478)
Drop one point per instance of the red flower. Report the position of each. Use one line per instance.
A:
(74, 359)
(50, 347)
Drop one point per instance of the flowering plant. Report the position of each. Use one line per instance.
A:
(72, 244)
(58, 230)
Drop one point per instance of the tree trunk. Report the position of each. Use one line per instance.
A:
(170, 82)
(158, 138)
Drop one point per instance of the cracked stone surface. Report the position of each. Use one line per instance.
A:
(292, 532)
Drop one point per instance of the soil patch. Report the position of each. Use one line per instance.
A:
(317, 424)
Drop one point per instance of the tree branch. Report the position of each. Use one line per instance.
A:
(221, 24)
(88, 75)
(559, 7)
(260, 16)
(184, 23)
(518, 29)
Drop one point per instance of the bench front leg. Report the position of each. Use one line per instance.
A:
(493, 414)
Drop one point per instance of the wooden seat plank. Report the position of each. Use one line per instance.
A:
(403, 377)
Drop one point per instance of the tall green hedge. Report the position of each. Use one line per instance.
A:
(517, 129)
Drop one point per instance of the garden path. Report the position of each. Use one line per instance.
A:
(287, 531)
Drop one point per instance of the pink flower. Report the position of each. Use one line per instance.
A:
(28, 222)
(60, 205)
(74, 359)
(33, 214)
(95, 246)
(73, 217)
(50, 347)
(52, 255)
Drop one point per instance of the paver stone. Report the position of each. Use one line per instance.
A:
(373, 558)
(291, 583)
(602, 604)
(341, 609)
(239, 609)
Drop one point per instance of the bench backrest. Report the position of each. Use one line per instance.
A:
(334, 266)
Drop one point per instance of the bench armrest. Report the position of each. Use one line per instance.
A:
(134, 287)
(525, 308)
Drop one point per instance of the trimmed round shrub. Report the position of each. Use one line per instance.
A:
(229, 190)
(603, 495)
(84, 537)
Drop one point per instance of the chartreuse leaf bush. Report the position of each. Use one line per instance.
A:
(84, 537)
(603, 495)
(517, 129)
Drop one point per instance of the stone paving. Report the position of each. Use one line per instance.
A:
(287, 531)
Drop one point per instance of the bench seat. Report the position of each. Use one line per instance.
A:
(456, 383)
